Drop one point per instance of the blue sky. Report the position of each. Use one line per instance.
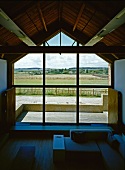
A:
(60, 61)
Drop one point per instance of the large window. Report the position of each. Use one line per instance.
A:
(61, 88)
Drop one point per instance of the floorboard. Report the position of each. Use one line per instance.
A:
(43, 154)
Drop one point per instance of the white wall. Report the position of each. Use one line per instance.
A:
(3, 78)
(119, 82)
(3, 75)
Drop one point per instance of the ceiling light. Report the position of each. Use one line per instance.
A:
(27, 41)
(120, 14)
(95, 37)
(102, 31)
(94, 41)
(23, 34)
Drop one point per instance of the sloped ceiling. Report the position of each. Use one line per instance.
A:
(30, 23)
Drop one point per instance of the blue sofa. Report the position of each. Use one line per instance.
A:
(100, 149)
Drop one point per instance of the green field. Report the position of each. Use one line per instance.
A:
(59, 79)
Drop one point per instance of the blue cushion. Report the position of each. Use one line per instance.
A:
(121, 147)
(111, 157)
(112, 141)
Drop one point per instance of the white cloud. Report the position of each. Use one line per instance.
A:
(60, 61)
(91, 60)
(29, 61)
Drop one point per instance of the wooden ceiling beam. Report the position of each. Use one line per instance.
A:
(114, 55)
(12, 58)
(79, 16)
(2, 55)
(62, 49)
(41, 16)
(119, 56)
(106, 58)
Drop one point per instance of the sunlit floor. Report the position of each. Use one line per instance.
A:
(63, 117)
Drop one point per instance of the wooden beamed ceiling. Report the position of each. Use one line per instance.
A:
(83, 21)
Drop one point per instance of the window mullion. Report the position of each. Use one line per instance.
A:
(77, 94)
(44, 55)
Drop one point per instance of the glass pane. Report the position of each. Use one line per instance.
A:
(64, 40)
(60, 105)
(60, 69)
(55, 41)
(29, 105)
(67, 41)
(93, 105)
(29, 70)
(93, 70)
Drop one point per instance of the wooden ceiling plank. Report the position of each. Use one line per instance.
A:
(42, 17)
(78, 17)
(32, 21)
(88, 22)
(108, 14)
(41, 37)
(48, 6)
(60, 10)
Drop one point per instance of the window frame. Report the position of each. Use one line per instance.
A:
(77, 86)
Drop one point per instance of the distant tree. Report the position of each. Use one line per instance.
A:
(65, 71)
(86, 71)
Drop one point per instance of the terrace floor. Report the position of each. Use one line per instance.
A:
(63, 117)
(57, 100)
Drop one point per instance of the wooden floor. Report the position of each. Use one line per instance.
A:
(43, 154)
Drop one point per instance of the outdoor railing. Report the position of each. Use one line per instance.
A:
(61, 92)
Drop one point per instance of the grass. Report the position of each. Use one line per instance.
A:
(58, 80)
